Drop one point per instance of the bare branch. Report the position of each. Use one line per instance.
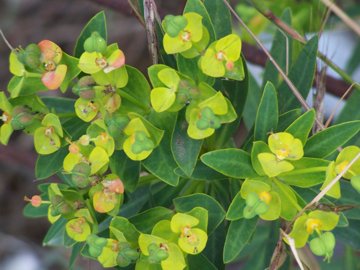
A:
(149, 15)
(272, 60)
(343, 16)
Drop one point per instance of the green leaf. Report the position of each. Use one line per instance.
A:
(35, 212)
(267, 114)
(327, 141)
(55, 234)
(220, 17)
(237, 92)
(215, 210)
(236, 208)
(72, 70)
(238, 235)
(288, 118)
(59, 104)
(280, 44)
(146, 220)
(160, 163)
(258, 147)
(49, 165)
(301, 74)
(24, 86)
(231, 162)
(252, 101)
(351, 112)
(137, 89)
(302, 126)
(184, 149)
(127, 169)
(96, 23)
(200, 262)
(197, 6)
(202, 172)
(307, 172)
(122, 227)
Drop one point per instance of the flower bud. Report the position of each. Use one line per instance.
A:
(21, 118)
(80, 175)
(96, 244)
(323, 245)
(173, 25)
(95, 43)
(35, 200)
(157, 254)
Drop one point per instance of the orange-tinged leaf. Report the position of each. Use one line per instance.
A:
(116, 60)
(50, 51)
(53, 79)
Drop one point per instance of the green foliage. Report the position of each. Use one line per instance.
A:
(150, 175)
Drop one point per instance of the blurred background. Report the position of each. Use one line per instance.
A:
(26, 21)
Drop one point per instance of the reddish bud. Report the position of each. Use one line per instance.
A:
(35, 200)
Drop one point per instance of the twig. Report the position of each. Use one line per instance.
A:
(149, 15)
(295, 35)
(278, 252)
(272, 60)
(6, 41)
(332, 115)
(258, 57)
(331, 184)
(293, 249)
(318, 97)
(323, 192)
(343, 16)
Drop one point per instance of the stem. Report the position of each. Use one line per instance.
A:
(272, 60)
(307, 170)
(343, 16)
(294, 203)
(6, 41)
(295, 35)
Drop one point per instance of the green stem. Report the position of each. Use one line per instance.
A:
(307, 170)
(279, 185)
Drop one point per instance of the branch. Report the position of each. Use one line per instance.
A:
(292, 87)
(295, 35)
(150, 12)
(258, 57)
(343, 16)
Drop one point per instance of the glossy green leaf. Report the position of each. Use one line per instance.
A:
(220, 17)
(96, 23)
(281, 51)
(127, 169)
(327, 141)
(200, 262)
(121, 227)
(160, 163)
(236, 208)
(231, 162)
(301, 74)
(184, 149)
(215, 210)
(307, 172)
(146, 220)
(267, 114)
(238, 236)
(237, 92)
(302, 126)
(49, 165)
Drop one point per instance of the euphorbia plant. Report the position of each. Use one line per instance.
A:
(147, 171)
